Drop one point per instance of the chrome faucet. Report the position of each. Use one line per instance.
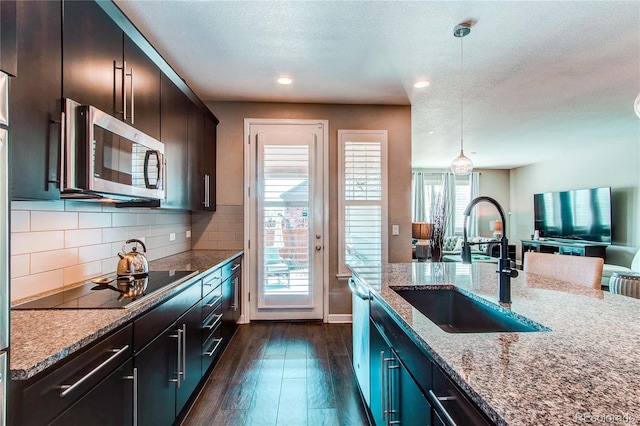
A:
(505, 273)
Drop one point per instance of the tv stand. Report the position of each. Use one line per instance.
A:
(571, 248)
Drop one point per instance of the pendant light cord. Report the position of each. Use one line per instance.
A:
(461, 92)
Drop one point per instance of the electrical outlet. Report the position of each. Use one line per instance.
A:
(395, 229)
(172, 236)
(188, 234)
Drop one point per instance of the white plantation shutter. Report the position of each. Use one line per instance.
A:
(363, 203)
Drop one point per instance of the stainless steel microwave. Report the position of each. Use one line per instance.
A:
(105, 156)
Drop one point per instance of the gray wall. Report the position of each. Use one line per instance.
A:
(612, 162)
(230, 186)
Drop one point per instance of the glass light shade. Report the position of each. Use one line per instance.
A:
(636, 105)
(462, 166)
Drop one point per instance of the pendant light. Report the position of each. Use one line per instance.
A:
(462, 165)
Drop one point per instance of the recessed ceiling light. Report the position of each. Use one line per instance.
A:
(431, 132)
(422, 83)
(285, 80)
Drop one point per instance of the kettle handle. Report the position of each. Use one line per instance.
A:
(134, 240)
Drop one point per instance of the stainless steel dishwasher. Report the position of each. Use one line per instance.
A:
(360, 323)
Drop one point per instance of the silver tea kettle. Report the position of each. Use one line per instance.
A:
(133, 263)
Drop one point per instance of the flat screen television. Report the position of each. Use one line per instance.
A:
(582, 215)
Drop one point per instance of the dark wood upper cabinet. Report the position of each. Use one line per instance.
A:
(208, 161)
(142, 90)
(89, 53)
(92, 48)
(8, 36)
(196, 151)
(174, 135)
(104, 68)
(35, 102)
(202, 159)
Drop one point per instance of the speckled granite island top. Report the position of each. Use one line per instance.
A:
(585, 370)
(40, 338)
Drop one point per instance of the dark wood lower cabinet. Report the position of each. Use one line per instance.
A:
(395, 397)
(148, 371)
(157, 367)
(407, 386)
(191, 369)
(117, 388)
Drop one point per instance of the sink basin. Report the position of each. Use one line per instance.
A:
(455, 312)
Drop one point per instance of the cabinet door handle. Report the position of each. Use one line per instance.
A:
(215, 347)
(235, 293)
(67, 389)
(212, 282)
(235, 267)
(390, 392)
(214, 303)
(207, 190)
(178, 336)
(383, 386)
(214, 324)
(134, 377)
(437, 402)
(124, 90)
(184, 352)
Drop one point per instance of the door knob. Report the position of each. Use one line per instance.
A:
(318, 247)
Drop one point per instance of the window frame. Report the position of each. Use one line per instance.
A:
(361, 136)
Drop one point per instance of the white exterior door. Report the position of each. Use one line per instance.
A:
(286, 206)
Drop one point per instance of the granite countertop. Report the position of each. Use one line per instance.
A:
(585, 370)
(40, 338)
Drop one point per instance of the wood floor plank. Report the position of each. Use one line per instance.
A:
(348, 401)
(323, 417)
(275, 373)
(320, 391)
(292, 408)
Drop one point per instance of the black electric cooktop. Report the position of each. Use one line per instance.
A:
(114, 295)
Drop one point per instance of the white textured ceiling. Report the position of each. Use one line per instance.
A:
(542, 78)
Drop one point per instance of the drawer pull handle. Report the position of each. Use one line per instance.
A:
(215, 348)
(67, 389)
(437, 401)
(235, 267)
(215, 322)
(215, 280)
(214, 303)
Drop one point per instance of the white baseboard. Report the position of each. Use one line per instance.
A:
(339, 318)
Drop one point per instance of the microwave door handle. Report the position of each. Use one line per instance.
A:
(147, 157)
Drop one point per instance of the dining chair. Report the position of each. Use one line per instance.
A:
(580, 270)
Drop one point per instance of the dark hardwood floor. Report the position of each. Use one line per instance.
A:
(283, 374)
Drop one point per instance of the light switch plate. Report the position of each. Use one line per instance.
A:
(395, 229)
(172, 236)
(188, 234)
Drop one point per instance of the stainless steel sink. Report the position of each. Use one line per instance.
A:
(455, 312)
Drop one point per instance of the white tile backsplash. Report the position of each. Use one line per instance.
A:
(48, 261)
(59, 243)
(20, 221)
(20, 265)
(82, 237)
(33, 242)
(94, 220)
(52, 221)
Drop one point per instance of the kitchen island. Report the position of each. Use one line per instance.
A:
(584, 370)
(40, 338)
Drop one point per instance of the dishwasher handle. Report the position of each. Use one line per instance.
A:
(357, 290)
